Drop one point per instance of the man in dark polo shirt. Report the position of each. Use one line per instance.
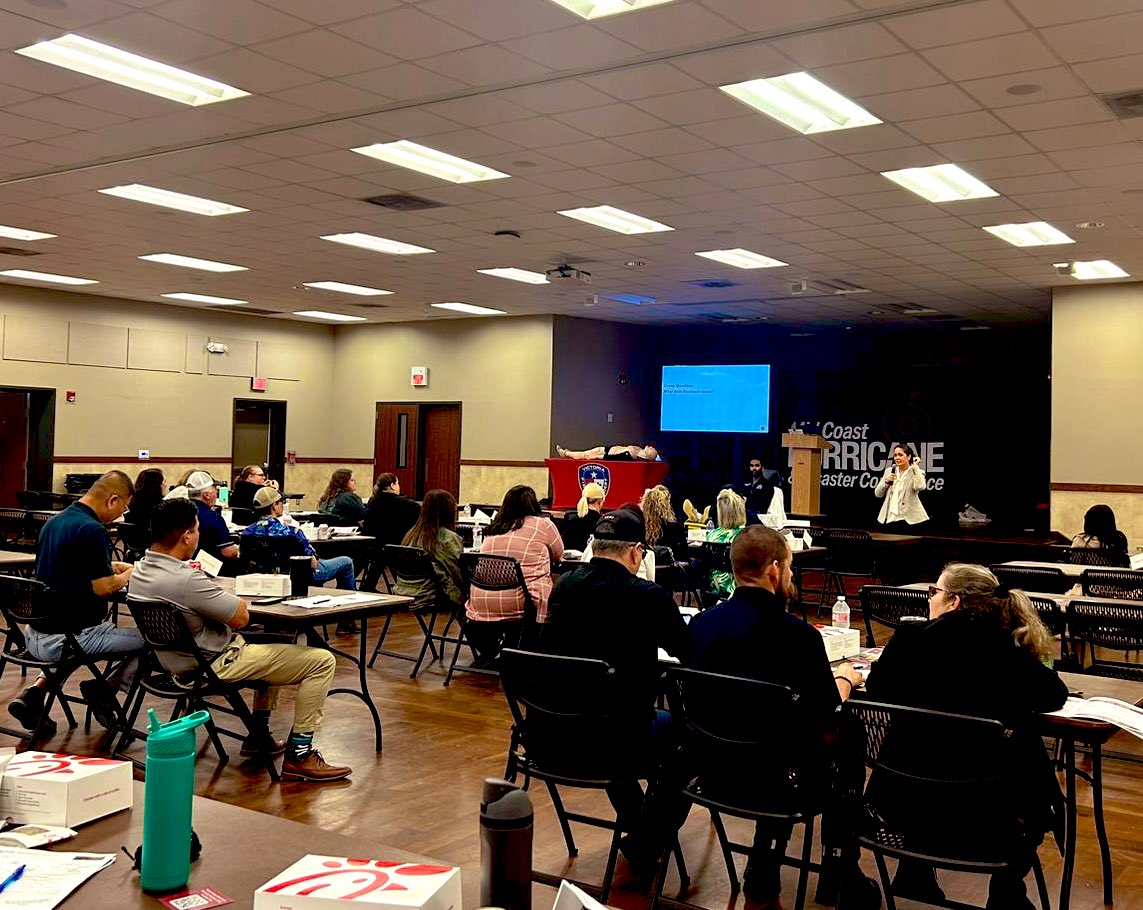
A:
(604, 611)
(751, 635)
(73, 560)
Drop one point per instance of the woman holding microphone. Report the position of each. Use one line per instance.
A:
(902, 509)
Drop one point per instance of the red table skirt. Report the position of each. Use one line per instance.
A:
(624, 481)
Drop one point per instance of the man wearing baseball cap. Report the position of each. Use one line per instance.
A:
(214, 535)
(603, 611)
(269, 506)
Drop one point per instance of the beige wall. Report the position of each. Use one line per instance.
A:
(1097, 386)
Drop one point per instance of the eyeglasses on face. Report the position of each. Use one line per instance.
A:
(934, 590)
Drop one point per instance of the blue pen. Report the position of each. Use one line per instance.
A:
(13, 878)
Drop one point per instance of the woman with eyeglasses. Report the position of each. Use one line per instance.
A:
(983, 652)
(900, 487)
(246, 484)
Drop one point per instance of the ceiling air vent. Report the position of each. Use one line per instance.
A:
(401, 202)
(16, 251)
(1125, 105)
(712, 283)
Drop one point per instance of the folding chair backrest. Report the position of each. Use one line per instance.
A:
(164, 628)
(1050, 613)
(718, 555)
(848, 551)
(1095, 556)
(1107, 625)
(24, 600)
(135, 536)
(1033, 578)
(268, 554)
(412, 564)
(243, 517)
(887, 604)
(496, 573)
(1125, 585)
(36, 521)
(12, 525)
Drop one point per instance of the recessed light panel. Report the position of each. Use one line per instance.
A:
(613, 219)
(82, 55)
(941, 183)
(743, 259)
(342, 288)
(470, 308)
(45, 276)
(190, 262)
(1032, 233)
(196, 205)
(22, 234)
(633, 299)
(1096, 268)
(205, 298)
(517, 275)
(331, 317)
(378, 244)
(404, 153)
(598, 9)
(802, 103)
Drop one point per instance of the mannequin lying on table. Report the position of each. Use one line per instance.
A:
(613, 453)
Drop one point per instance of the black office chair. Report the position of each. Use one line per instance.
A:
(243, 517)
(888, 605)
(414, 565)
(1116, 627)
(1043, 579)
(849, 554)
(164, 628)
(570, 727)
(494, 573)
(750, 755)
(135, 539)
(1123, 585)
(268, 554)
(1094, 556)
(947, 784)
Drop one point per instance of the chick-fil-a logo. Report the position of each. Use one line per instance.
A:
(34, 764)
(365, 875)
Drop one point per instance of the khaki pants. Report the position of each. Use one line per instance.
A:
(311, 669)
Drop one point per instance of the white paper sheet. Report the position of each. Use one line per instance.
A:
(1109, 710)
(48, 878)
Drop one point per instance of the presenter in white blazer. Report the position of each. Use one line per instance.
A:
(900, 488)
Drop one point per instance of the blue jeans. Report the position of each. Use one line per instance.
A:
(103, 640)
(339, 567)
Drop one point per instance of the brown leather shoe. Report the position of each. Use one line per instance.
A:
(263, 744)
(313, 768)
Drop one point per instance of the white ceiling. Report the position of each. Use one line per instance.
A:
(622, 111)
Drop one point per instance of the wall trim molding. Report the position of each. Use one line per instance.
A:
(1096, 487)
(497, 463)
(300, 460)
(134, 459)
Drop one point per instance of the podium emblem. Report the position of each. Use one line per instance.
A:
(593, 472)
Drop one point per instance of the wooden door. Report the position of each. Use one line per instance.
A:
(13, 445)
(395, 444)
(440, 448)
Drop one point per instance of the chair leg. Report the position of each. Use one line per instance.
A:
(461, 641)
(562, 815)
(428, 630)
(1041, 885)
(727, 853)
(380, 640)
(1097, 811)
(661, 876)
(804, 865)
(609, 869)
(886, 882)
(870, 641)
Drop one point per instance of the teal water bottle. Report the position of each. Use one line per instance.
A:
(168, 800)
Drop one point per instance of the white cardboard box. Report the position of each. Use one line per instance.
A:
(262, 585)
(51, 788)
(328, 882)
(840, 643)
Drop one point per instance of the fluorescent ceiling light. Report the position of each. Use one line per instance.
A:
(1032, 233)
(633, 299)
(205, 298)
(743, 259)
(378, 244)
(613, 219)
(1097, 268)
(21, 234)
(154, 196)
(82, 55)
(404, 153)
(920, 311)
(941, 183)
(802, 103)
(332, 317)
(45, 276)
(517, 275)
(469, 308)
(342, 288)
(190, 262)
(597, 9)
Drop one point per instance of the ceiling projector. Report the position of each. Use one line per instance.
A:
(565, 273)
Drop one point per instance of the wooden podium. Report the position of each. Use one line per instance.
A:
(806, 496)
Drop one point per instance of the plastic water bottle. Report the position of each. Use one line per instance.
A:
(477, 536)
(168, 800)
(505, 846)
(840, 613)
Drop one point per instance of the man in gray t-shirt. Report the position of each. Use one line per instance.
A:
(212, 615)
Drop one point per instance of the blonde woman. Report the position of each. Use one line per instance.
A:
(731, 521)
(1004, 655)
(663, 528)
(576, 530)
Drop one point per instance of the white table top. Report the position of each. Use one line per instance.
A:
(10, 559)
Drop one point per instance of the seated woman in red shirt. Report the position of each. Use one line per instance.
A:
(520, 531)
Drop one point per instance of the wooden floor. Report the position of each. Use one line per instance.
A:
(423, 793)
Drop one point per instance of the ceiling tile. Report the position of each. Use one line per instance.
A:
(406, 33)
(404, 81)
(735, 64)
(557, 97)
(64, 113)
(1049, 114)
(236, 21)
(252, 72)
(485, 65)
(669, 27)
(876, 77)
(1078, 136)
(991, 56)
(956, 24)
(661, 141)
(1107, 156)
(327, 13)
(635, 82)
(989, 147)
(933, 101)
(513, 18)
(325, 53)
(572, 48)
(1054, 12)
(611, 120)
(1096, 39)
(955, 126)
(769, 17)
(826, 47)
(1047, 84)
(697, 106)
(1119, 74)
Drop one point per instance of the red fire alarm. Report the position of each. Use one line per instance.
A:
(419, 377)
(70, 395)
(258, 384)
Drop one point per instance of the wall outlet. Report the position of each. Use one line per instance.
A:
(144, 454)
(610, 417)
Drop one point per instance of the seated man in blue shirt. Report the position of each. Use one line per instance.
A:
(269, 506)
(73, 559)
(214, 535)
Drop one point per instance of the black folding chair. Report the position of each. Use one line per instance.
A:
(164, 628)
(413, 565)
(942, 793)
(715, 558)
(1094, 556)
(1117, 627)
(569, 730)
(13, 530)
(1123, 585)
(26, 601)
(1043, 579)
(745, 743)
(135, 539)
(849, 554)
(493, 573)
(888, 605)
(268, 554)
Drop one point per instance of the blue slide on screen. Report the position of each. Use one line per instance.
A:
(716, 399)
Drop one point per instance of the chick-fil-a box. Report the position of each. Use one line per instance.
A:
(327, 882)
(53, 788)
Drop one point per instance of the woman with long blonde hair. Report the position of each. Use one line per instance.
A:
(731, 520)
(576, 529)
